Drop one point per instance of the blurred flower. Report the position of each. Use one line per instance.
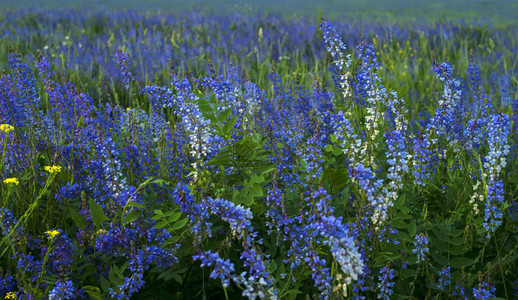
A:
(52, 233)
(10, 295)
(484, 291)
(53, 169)
(444, 280)
(12, 180)
(63, 290)
(6, 128)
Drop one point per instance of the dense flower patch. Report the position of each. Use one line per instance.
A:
(212, 188)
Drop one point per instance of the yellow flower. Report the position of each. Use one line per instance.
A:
(6, 128)
(53, 169)
(52, 233)
(12, 181)
(10, 295)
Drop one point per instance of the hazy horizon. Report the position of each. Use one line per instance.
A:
(503, 11)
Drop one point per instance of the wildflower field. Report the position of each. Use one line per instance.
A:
(207, 156)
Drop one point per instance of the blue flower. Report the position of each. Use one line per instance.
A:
(421, 249)
(223, 268)
(385, 283)
(63, 290)
(484, 291)
(444, 278)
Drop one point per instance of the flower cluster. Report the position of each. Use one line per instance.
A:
(484, 291)
(421, 245)
(223, 268)
(52, 233)
(6, 128)
(63, 290)
(53, 169)
(124, 63)
(278, 191)
(444, 278)
(12, 181)
(385, 283)
(498, 131)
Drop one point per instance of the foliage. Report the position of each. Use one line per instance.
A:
(211, 186)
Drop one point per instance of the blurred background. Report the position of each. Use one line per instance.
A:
(499, 12)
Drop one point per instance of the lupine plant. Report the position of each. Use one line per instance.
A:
(215, 186)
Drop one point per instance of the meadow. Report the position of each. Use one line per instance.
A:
(228, 156)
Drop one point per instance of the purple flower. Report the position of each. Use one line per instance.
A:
(223, 268)
(484, 291)
(444, 278)
(421, 249)
(63, 290)
(124, 63)
(385, 283)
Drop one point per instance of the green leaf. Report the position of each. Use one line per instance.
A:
(294, 292)
(159, 182)
(77, 218)
(256, 179)
(458, 262)
(458, 241)
(337, 151)
(97, 213)
(134, 204)
(337, 178)
(172, 216)
(205, 106)
(459, 250)
(212, 99)
(440, 234)
(256, 190)
(408, 273)
(273, 266)
(80, 122)
(236, 197)
(132, 216)
(248, 200)
(403, 216)
(115, 277)
(440, 245)
(227, 128)
(161, 224)
(399, 224)
(404, 237)
(105, 284)
(180, 224)
(156, 217)
(222, 160)
(93, 292)
(223, 116)
(143, 184)
(439, 258)
(412, 228)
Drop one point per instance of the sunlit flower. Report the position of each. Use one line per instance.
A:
(53, 169)
(6, 128)
(10, 295)
(12, 181)
(52, 233)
